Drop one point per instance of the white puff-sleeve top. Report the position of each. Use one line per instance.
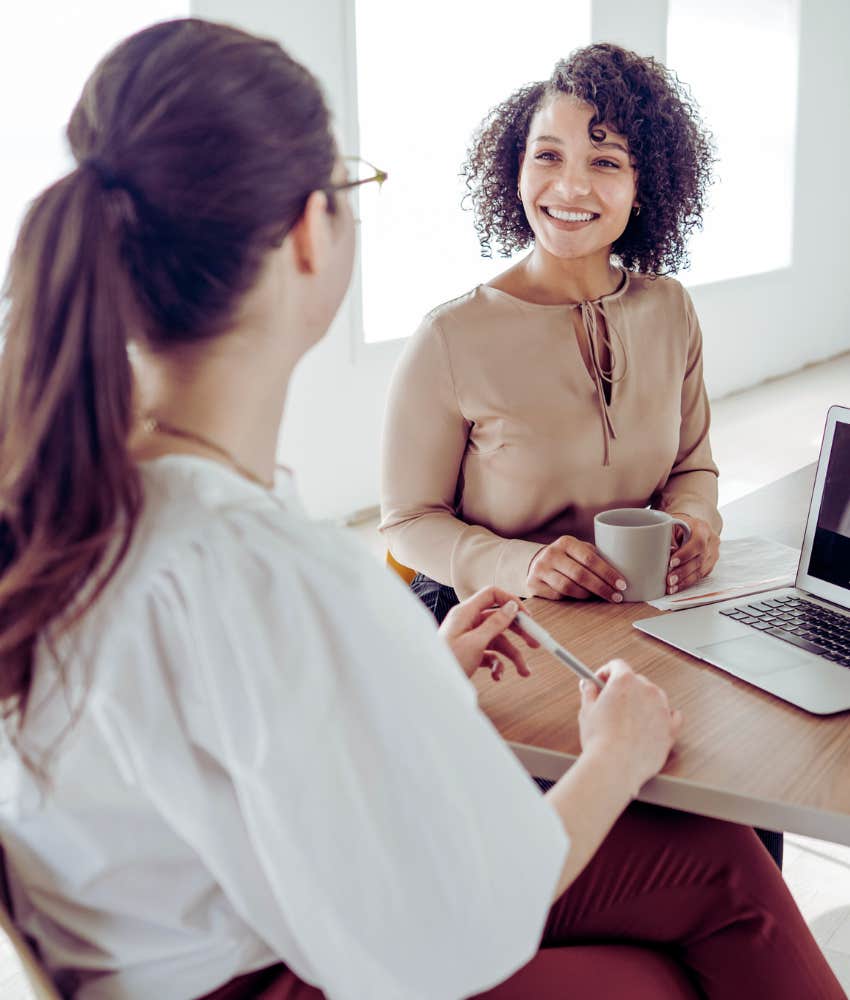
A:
(263, 752)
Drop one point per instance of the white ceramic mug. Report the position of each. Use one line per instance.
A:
(637, 542)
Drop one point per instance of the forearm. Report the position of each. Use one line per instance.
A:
(422, 539)
(464, 556)
(589, 799)
(691, 486)
(693, 493)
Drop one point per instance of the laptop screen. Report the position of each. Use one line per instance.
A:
(830, 556)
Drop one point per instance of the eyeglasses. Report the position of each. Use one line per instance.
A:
(371, 174)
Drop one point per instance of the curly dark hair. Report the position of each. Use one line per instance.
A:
(641, 100)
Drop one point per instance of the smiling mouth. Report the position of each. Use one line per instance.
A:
(564, 216)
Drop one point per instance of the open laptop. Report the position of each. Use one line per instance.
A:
(793, 642)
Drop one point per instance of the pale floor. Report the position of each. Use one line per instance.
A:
(758, 435)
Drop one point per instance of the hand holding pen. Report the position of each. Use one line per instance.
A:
(624, 718)
(622, 713)
(476, 631)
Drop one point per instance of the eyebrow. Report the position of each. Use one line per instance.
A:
(599, 145)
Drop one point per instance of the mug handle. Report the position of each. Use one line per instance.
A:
(685, 528)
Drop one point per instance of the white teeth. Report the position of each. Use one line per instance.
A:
(556, 213)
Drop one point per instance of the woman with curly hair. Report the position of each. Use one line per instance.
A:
(572, 382)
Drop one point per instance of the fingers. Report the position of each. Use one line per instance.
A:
(586, 569)
(494, 624)
(613, 668)
(618, 669)
(515, 627)
(612, 581)
(529, 640)
(589, 693)
(692, 571)
(560, 586)
(539, 588)
(572, 568)
(471, 610)
(676, 719)
(695, 559)
(694, 547)
(502, 644)
(494, 665)
(686, 574)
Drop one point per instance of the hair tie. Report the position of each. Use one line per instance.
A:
(108, 178)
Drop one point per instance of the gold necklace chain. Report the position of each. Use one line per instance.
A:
(153, 425)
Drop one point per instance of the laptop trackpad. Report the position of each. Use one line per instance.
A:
(754, 655)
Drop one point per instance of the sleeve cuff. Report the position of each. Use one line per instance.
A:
(512, 566)
(694, 507)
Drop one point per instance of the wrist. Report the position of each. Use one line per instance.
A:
(613, 766)
(534, 559)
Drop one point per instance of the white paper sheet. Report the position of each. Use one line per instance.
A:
(745, 566)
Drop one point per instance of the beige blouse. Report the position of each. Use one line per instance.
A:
(498, 438)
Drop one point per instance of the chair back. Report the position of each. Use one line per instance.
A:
(405, 572)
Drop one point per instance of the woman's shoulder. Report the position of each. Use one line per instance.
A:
(656, 287)
(200, 516)
(215, 559)
(659, 302)
(475, 310)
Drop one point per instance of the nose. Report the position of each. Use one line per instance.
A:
(573, 180)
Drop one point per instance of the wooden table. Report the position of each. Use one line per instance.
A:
(744, 755)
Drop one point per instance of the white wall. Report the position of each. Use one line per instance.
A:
(754, 327)
(777, 322)
(332, 424)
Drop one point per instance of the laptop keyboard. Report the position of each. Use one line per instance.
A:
(802, 623)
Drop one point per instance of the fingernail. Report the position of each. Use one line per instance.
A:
(674, 580)
(621, 585)
(511, 607)
(584, 685)
(674, 563)
(617, 598)
(673, 590)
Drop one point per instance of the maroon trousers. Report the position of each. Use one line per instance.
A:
(672, 907)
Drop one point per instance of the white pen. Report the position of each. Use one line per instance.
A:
(539, 633)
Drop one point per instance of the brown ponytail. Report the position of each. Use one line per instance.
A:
(197, 146)
(65, 413)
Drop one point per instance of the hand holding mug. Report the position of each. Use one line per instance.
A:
(569, 567)
(695, 557)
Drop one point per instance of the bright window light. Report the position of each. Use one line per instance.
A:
(424, 84)
(47, 50)
(740, 59)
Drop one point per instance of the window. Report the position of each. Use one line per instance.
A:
(424, 83)
(47, 50)
(740, 59)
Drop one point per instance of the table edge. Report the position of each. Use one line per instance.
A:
(676, 793)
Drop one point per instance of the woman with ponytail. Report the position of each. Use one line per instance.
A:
(237, 760)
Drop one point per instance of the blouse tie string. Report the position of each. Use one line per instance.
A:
(599, 373)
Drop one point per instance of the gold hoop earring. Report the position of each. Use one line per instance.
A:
(518, 195)
(636, 210)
